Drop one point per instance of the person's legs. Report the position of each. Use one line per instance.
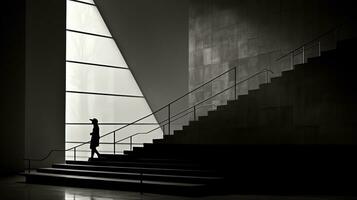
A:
(92, 153)
(96, 151)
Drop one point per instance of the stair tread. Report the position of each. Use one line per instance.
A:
(156, 160)
(144, 160)
(132, 163)
(163, 159)
(132, 173)
(138, 168)
(113, 179)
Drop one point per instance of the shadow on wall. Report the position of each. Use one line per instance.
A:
(152, 36)
(251, 35)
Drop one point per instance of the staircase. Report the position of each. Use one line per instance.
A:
(306, 105)
(131, 173)
(295, 134)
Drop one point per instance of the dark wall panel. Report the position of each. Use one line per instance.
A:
(45, 77)
(12, 106)
(153, 37)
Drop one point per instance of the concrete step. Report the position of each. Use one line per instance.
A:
(330, 59)
(177, 188)
(132, 176)
(151, 170)
(137, 164)
(138, 159)
(158, 141)
(348, 44)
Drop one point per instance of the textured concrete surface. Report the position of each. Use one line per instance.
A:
(312, 104)
(251, 35)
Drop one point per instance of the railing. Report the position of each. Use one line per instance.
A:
(192, 109)
(172, 117)
(316, 42)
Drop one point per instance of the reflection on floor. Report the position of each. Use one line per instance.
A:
(15, 188)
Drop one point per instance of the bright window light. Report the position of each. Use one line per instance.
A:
(93, 49)
(85, 18)
(99, 84)
(81, 77)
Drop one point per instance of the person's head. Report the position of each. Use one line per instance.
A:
(94, 121)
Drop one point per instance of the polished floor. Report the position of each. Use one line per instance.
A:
(14, 188)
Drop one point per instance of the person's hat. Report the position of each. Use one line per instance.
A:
(94, 120)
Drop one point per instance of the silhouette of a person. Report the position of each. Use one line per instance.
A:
(94, 142)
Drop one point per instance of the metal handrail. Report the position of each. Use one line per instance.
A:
(194, 106)
(118, 142)
(134, 122)
(311, 41)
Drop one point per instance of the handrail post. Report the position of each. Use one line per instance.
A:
(319, 45)
(169, 116)
(194, 113)
(235, 83)
(163, 133)
(292, 60)
(303, 54)
(266, 76)
(29, 167)
(131, 143)
(74, 154)
(114, 142)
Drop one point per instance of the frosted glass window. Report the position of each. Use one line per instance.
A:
(79, 107)
(80, 133)
(85, 18)
(100, 79)
(93, 49)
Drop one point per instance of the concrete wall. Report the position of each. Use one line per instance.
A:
(33, 82)
(12, 81)
(45, 78)
(153, 37)
(251, 35)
